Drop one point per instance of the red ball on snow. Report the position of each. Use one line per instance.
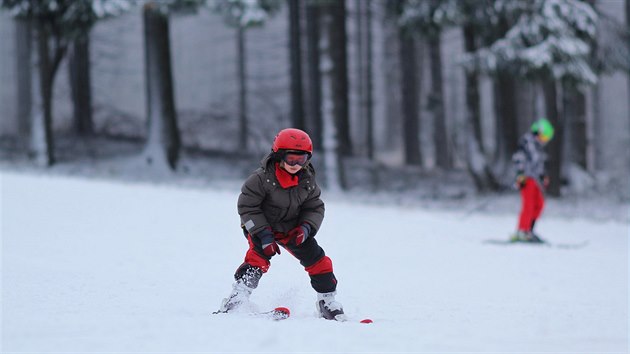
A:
(367, 320)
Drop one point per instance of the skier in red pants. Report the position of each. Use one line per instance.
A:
(280, 206)
(531, 178)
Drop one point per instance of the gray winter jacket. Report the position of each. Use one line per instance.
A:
(264, 203)
(529, 159)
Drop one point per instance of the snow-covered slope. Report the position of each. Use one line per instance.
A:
(93, 266)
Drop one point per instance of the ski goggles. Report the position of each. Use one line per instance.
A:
(293, 158)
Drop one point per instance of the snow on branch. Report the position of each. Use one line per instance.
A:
(556, 38)
(245, 13)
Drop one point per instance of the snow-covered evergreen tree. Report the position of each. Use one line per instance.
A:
(56, 23)
(70, 17)
(552, 38)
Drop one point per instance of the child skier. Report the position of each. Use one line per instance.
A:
(531, 178)
(280, 205)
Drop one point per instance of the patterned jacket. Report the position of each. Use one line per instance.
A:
(529, 159)
(264, 203)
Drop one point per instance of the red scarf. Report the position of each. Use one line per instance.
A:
(286, 179)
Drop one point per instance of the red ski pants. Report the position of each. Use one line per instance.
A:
(533, 201)
(311, 256)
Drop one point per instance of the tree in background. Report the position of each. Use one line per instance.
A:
(241, 15)
(428, 19)
(364, 63)
(333, 71)
(503, 15)
(163, 144)
(314, 123)
(482, 23)
(80, 84)
(24, 44)
(55, 24)
(612, 50)
(295, 63)
(410, 76)
(367, 71)
(410, 71)
(550, 43)
(476, 22)
(163, 141)
(334, 22)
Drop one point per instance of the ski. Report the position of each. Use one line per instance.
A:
(510, 242)
(570, 246)
(543, 243)
(344, 318)
(277, 314)
(282, 313)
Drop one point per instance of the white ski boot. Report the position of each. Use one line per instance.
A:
(328, 308)
(238, 297)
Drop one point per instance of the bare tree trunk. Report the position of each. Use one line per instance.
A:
(23, 41)
(390, 132)
(591, 128)
(436, 105)
(476, 161)
(471, 42)
(242, 87)
(368, 94)
(505, 108)
(295, 60)
(163, 140)
(410, 91)
(359, 31)
(80, 85)
(41, 145)
(526, 104)
(336, 11)
(576, 136)
(591, 110)
(332, 144)
(556, 145)
(315, 125)
(410, 96)
(365, 113)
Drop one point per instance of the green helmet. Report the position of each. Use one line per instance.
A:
(543, 128)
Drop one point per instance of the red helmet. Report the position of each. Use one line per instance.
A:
(292, 139)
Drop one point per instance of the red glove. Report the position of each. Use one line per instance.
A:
(269, 245)
(298, 235)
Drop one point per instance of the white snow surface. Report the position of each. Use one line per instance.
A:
(96, 266)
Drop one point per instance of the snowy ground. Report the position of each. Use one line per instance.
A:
(96, 266)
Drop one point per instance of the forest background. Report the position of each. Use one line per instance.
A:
(403, 95)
